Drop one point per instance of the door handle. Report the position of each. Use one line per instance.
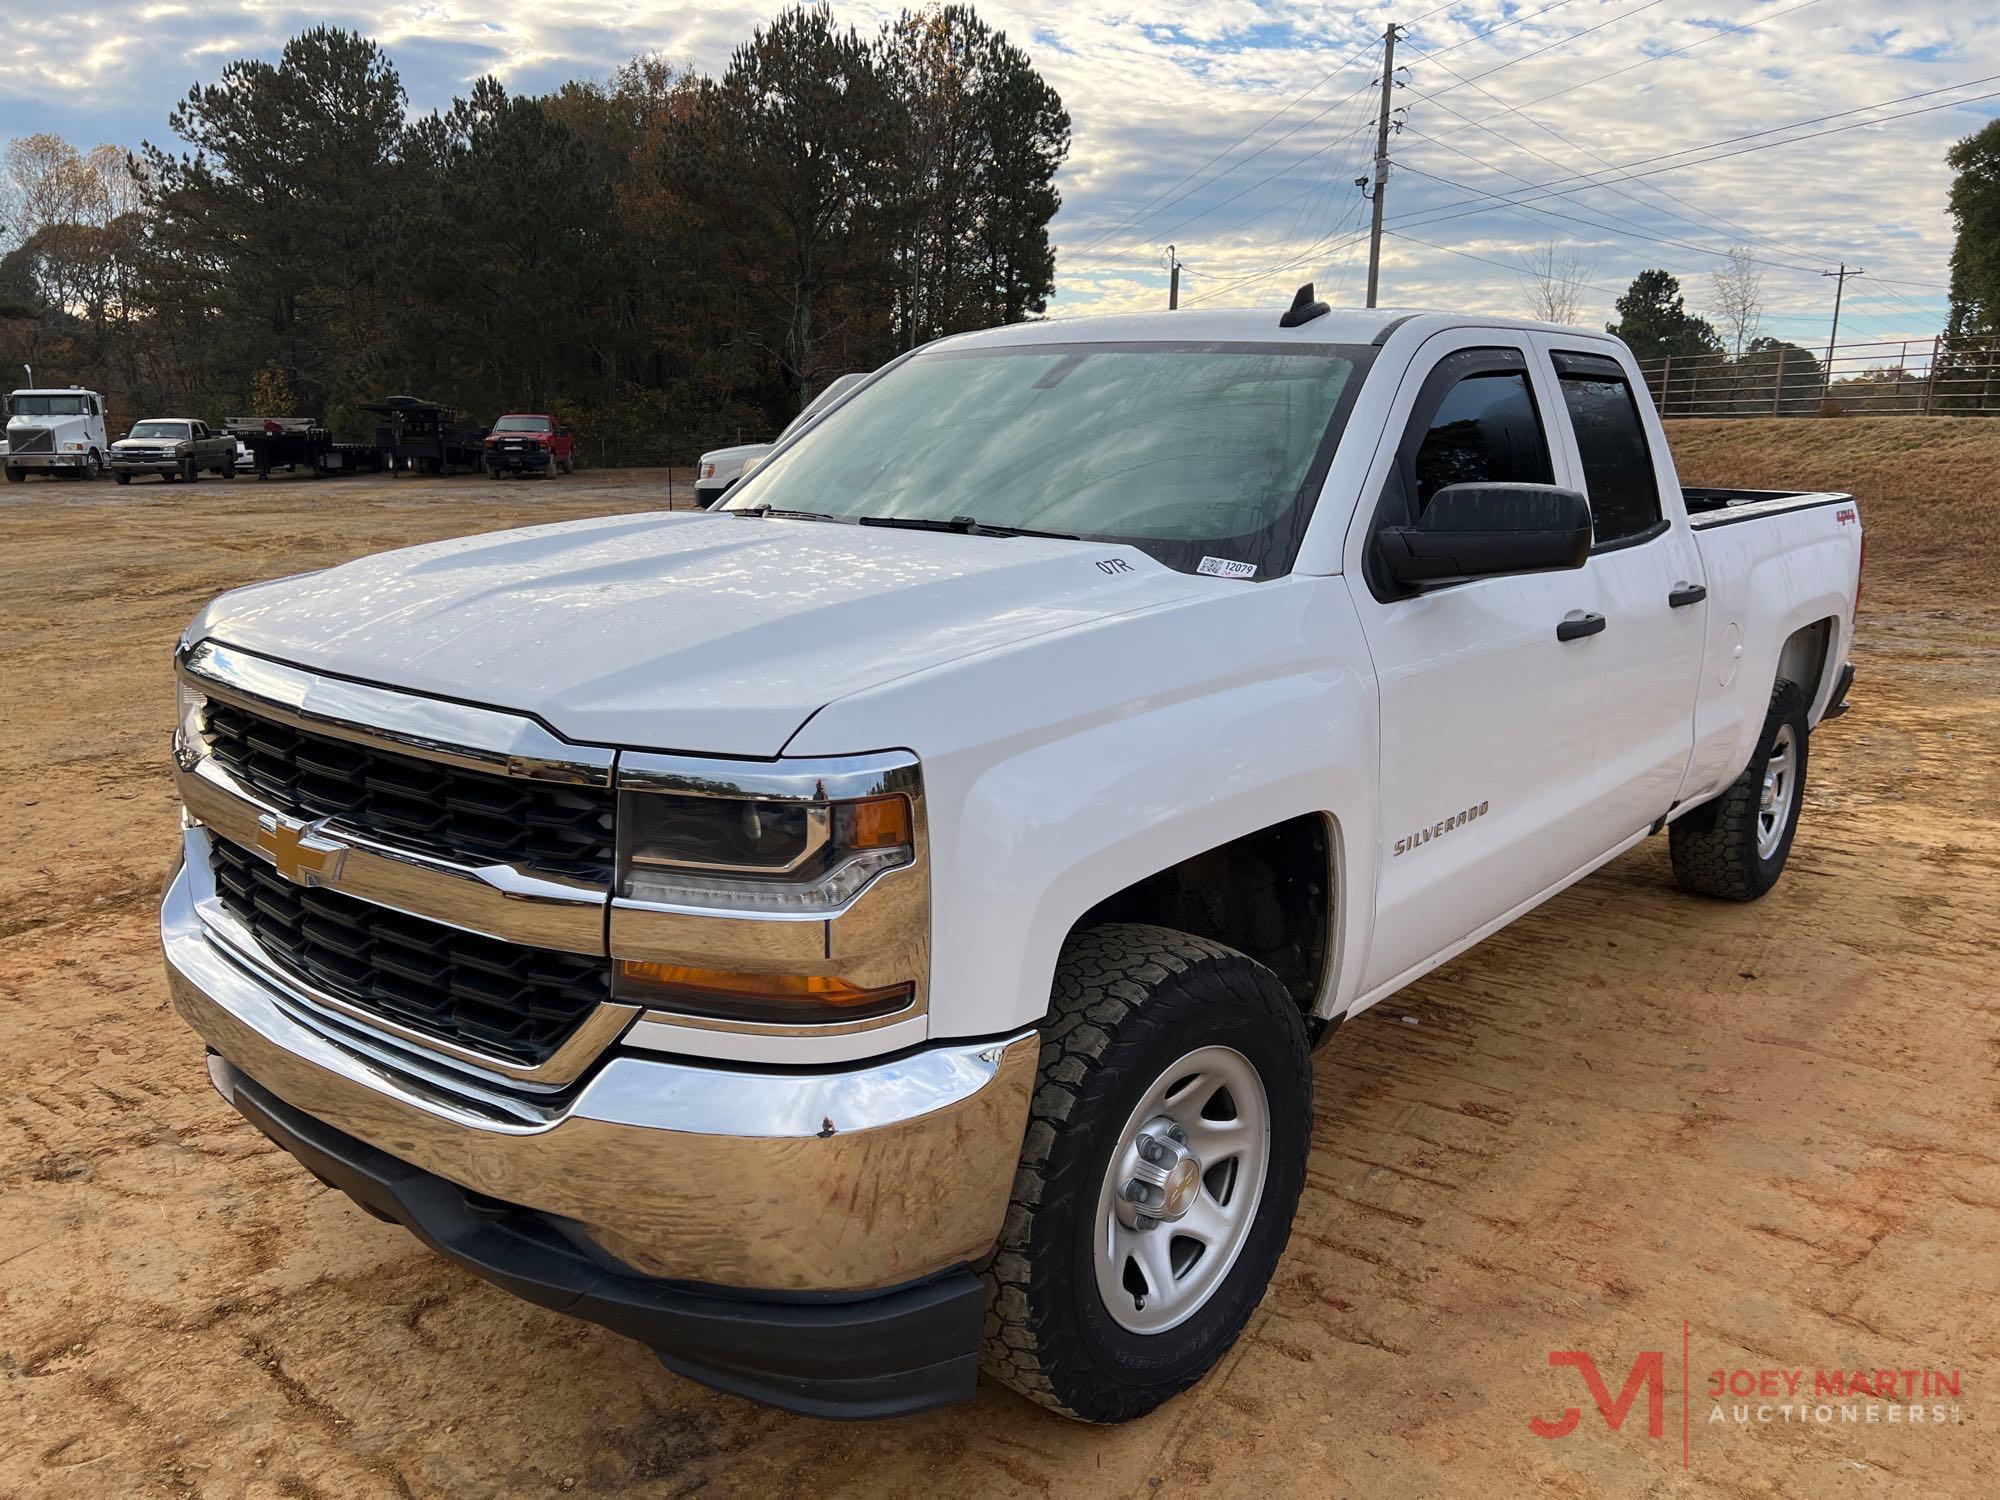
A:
(1684, 594)
(1579, 626)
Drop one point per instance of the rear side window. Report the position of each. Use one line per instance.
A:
(1617, 464)
(1485, 430)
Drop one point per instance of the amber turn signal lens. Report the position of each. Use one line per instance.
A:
(726, 995)
(877, 823)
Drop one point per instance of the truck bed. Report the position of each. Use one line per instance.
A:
(1713, 507)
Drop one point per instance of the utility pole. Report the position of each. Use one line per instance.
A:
(1839, 286)
(1381, 160)
(1173, 280)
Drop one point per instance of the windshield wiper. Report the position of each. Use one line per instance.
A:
(761, 511)
(965, 526)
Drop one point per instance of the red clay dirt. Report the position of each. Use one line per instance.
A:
(1633, 1116)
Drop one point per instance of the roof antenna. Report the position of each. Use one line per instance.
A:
(1303, 309)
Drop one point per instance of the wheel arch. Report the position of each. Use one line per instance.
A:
(1274, 894)
(1806, 658)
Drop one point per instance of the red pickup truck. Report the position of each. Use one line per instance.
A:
(529, 443)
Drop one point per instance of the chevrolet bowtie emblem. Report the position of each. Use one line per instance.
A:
(301, 855)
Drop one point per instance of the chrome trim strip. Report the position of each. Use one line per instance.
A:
(830, 1180)
(457, 734)
(599, 1030)
(831, 780)
(498, 901)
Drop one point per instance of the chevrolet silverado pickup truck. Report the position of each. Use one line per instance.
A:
(173, 448)
(883, 925)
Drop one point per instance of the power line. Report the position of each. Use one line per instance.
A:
(1556, 45)
(1707, 222)
(1625, 172)
(1489, 31)
(1520, 270)
(1147, 209)
(1088, 265)
(1632, 232)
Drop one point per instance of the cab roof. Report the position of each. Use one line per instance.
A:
(1339, 325)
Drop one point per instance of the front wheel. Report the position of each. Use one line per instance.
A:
(121, 476)
(1735, 847)
(1165, 1153)
(93, 466)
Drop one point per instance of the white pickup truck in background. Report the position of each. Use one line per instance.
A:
(719, 468)
(883, 924)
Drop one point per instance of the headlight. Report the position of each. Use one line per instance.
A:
(750, 854)
(190, 727)
(685, 849)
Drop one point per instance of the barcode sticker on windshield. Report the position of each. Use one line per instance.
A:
(1223, 567)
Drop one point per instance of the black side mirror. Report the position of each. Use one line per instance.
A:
(1480, 530)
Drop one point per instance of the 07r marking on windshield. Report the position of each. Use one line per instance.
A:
(1113, 565)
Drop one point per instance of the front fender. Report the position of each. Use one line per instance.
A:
(1062, 769)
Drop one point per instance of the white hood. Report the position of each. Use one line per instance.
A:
(714, 634)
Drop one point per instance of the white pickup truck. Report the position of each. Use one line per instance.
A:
(884, 924)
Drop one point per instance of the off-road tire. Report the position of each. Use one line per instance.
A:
(1128, 1001)
(1714, 848)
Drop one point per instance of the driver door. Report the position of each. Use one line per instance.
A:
(1489, 721)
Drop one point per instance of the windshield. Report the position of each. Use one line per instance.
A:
(48, 406)
(1195, 453)
(159, 430)
(522, 424)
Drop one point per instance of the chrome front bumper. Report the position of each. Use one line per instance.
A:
(845, 1180)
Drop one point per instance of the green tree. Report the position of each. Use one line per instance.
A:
(783, 162)
(981, 137)
(1975, 257)
(270, 220)
(1653, 319)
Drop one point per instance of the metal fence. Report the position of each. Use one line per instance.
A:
(1934, 377)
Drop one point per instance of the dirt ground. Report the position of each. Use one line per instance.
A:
(1631, 1119)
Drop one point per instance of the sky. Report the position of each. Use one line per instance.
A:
(1235, 131)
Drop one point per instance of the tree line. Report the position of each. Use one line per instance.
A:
(665, 259)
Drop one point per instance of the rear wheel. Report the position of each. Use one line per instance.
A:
(1735, 847)
(1165, 1153)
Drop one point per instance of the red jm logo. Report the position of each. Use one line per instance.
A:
(1648, 1370)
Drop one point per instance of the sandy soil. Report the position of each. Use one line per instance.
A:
(1631, 1116)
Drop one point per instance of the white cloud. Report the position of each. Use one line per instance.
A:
(1152, 100)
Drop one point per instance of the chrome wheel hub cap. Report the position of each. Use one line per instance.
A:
(1181, 1191)
(1778, 793)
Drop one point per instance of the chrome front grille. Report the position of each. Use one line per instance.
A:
(513, 1002)
(425, 805)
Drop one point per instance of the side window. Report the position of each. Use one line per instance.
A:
(1617, 464)
(1486, 428)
